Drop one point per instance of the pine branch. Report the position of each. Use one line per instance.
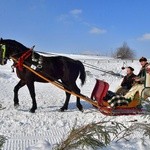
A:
(2, 141)
(94, 135)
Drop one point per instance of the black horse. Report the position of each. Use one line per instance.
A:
(53, 68)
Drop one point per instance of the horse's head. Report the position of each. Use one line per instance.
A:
(9, 48)
(3, 55)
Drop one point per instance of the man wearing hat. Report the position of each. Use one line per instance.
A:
(139, 80)
(127, 82)
(141, 76)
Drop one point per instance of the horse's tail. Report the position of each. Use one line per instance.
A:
(82, 73)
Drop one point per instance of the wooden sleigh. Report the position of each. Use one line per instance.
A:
(100, 91)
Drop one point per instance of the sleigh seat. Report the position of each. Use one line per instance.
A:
(100, 90)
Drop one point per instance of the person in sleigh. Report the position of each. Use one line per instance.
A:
(127, 82)
(138, 87)
(125, 85)
(139, 80)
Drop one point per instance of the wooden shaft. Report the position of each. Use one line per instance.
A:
(59, 85)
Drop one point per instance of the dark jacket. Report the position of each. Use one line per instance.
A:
(128, 81)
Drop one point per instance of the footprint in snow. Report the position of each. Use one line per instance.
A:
(4, 75)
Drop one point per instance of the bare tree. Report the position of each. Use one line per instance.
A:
(124, 52)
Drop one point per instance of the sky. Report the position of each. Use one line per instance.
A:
(77, 26)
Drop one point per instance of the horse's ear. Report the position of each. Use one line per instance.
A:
(33, 47)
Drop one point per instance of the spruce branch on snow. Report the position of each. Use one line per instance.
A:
(2, 141)
(93, 135)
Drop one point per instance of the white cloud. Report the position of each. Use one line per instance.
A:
(145, 37)
(76, 12)
(62, 17)
(74, 16)
(96, 30)
(71, 16)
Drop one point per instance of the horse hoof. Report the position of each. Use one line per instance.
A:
(32, 111)
(62, 109)
(80, 107)
(82, 110)
(16, 105)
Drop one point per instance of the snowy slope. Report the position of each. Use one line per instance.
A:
(48, 126)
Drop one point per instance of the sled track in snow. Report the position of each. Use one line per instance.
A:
(23, 141)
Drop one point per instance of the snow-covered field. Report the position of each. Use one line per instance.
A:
(26, 131)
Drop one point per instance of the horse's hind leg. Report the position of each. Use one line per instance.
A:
(71, 87)
(65, 106)
(75, 88)
(16, 89)
(80, 107)
(31, 88)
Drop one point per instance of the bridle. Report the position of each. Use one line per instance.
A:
(3, 53)
(22, 58)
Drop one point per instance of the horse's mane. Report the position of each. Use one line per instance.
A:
(15, 43)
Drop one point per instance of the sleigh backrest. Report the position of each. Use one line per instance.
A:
(100, 91)
(146, 89)
(147, 77)
(147, 81)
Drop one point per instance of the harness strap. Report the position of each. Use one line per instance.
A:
(21, 60)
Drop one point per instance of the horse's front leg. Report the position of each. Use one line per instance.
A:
(31, 88)
(16, 89)
(65, 106)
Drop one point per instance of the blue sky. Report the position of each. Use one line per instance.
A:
(76, 26)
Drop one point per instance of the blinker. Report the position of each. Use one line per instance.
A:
(3, 54)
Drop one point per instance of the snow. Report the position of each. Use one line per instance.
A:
(48, 126)
(43, 145)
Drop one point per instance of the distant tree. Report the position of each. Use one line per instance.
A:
(124, 52)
